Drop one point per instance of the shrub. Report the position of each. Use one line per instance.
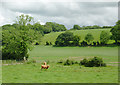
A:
(50, 43)
(84, 43)
(94, 62)
(69, 62)
(98, 43)
(76, 62)
(94, 43)
(84, 61)
(37, 43)
(47, 43)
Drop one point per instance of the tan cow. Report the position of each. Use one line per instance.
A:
(45, 66)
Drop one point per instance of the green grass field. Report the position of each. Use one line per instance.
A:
(51, 37)
(58, 73)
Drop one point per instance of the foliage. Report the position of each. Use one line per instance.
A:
(24, 20)
(67, 39)
(94, 43)
(116, 32)
(77, 27)
(47, 43)
(89, 37)
(76, 40)
(69, 62)
(94, 62)
(104, 37)
(84, 43)
(17, 39)
(84, 62)
(55, 27)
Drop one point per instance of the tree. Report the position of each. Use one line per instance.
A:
(76, 40)
(55, 26)
(104, 37)
(24, 20)
(17, 40)
(116, 32)
(67, 39)
(64, 39)
(89, 37)
(77, 27)
(38, 27)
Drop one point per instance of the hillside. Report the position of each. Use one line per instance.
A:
(51, 37)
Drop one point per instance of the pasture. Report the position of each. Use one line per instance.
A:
(51, 37)
(58, 73)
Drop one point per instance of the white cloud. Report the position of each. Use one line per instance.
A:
(65, 12)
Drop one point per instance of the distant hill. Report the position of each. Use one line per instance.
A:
(51, 37)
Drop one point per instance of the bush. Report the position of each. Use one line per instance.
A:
(47, 43)
(84, 43)
(69, 62)
(84, 62)
(94, 43)
(98, 43)
(50, 43)
(37, 43)
(94, 62)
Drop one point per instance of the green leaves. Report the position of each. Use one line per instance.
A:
(104, 37)
(89, 37)
(18, 38)
(116, 32)
(67, 39)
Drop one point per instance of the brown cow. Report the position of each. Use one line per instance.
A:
(45, 66)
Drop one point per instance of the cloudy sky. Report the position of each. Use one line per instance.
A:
(67, 12)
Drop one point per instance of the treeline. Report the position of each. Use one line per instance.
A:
(77, 27)
(68, 39)
(43, 29)
(18, 38)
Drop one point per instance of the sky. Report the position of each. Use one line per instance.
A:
(67, 12)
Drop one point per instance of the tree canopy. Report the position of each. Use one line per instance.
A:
(17, 39)
(104, 37)
(67, 39)
(89, 37)
(116, 32)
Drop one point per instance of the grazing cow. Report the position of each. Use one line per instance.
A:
(45, 66)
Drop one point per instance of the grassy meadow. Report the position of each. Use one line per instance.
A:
(51, 37)
(58, 73)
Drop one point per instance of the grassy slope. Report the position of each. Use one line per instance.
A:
(51, 37)
(31, 73)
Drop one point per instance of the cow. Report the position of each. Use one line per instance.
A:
(45, 66)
